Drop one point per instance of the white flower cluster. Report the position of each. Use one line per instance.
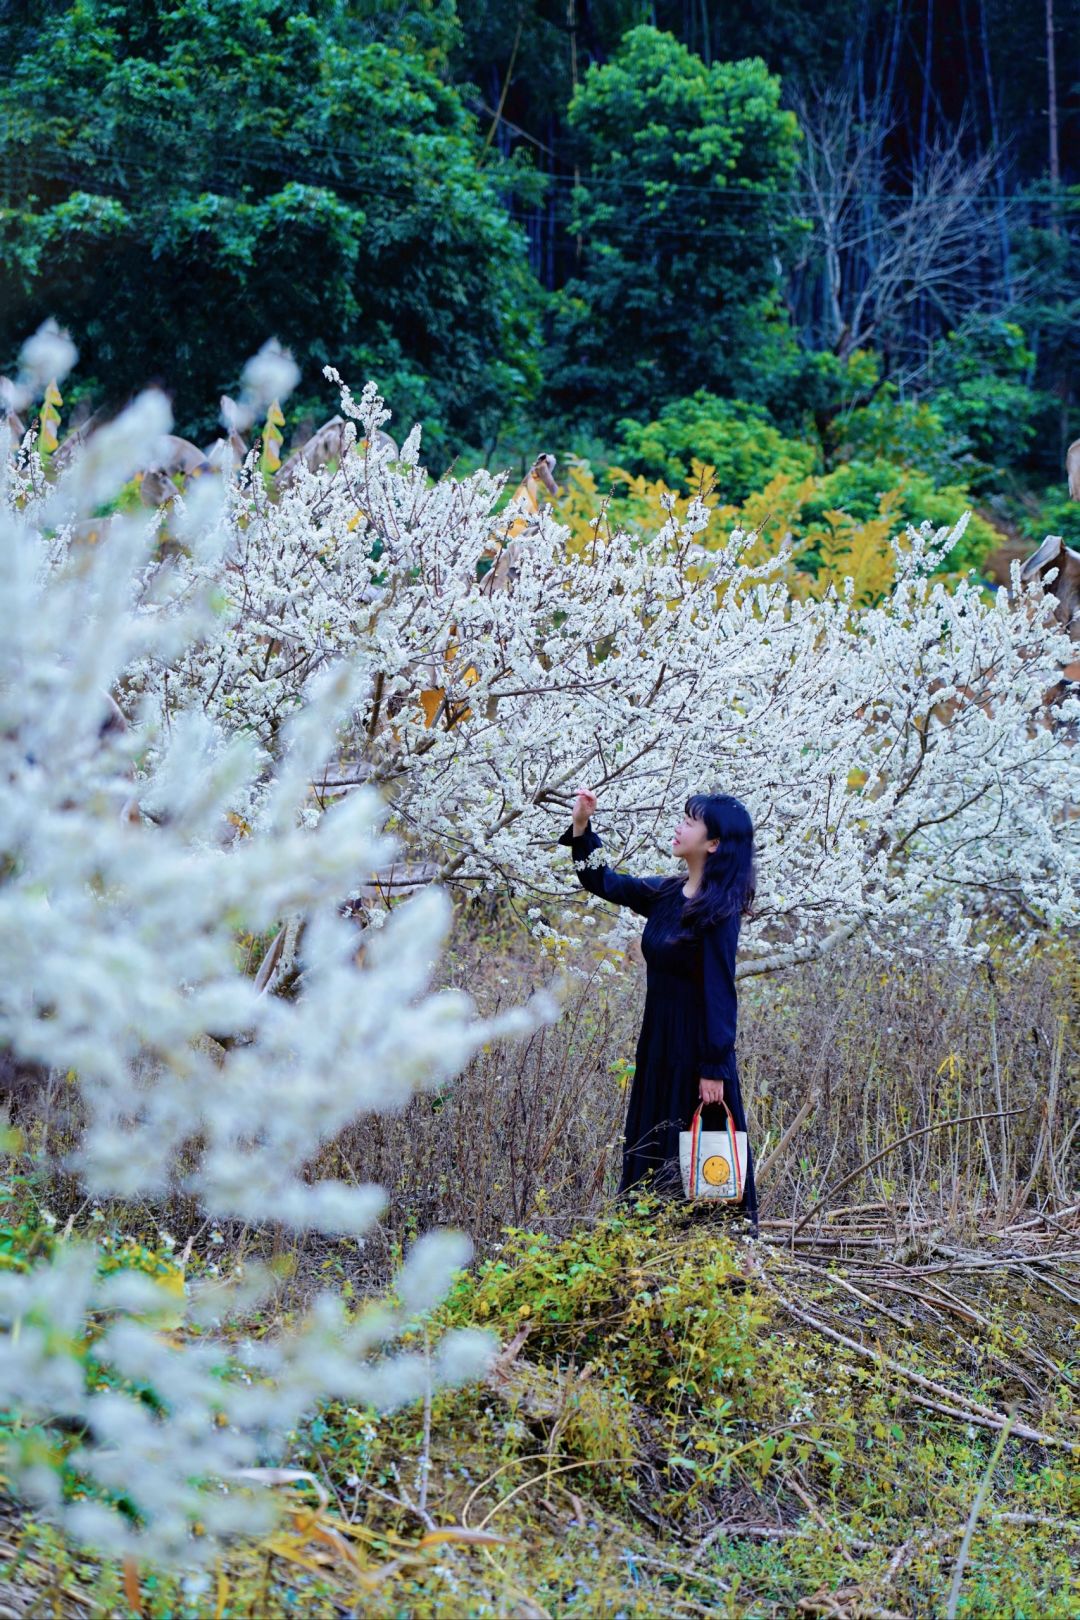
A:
(195, 1456)
(118, 962)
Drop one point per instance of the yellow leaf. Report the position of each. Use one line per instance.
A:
(338, 1543)
(131, 1584)
(430, 699)
(50, 416)
(272, 438)
(285, 1547)
(222, 1595)
(461, 1532)
(171, 1314)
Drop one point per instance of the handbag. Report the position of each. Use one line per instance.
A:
(713, 1163)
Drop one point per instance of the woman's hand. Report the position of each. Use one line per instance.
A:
(584, 805)
(712, 1091)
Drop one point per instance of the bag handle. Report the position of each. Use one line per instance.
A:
(721, 1104)
(695, 1144)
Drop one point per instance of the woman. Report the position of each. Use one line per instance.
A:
(686, 1049)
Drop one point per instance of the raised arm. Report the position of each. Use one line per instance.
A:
(721, 1000)
(638, 893)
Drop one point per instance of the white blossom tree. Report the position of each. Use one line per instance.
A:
(897, 760)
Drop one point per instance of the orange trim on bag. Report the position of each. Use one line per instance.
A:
(695, 1148)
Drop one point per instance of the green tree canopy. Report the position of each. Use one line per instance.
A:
(736, 439)
(684, 217)
(983, 393)
(184, 180)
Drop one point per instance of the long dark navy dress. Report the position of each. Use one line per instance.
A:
(688, 1029)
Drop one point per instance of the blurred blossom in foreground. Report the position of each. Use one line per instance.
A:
(118, 966)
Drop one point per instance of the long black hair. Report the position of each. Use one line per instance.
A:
(729, 878)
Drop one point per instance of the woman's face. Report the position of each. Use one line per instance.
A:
(692, 838)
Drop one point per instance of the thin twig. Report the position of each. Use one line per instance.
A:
(924, 1130)
(956, 1406)
(969, 1528)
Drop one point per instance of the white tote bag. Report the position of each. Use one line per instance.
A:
(713, 1163)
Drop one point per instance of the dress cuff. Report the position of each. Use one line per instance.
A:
(588, 836)
(717, 1068)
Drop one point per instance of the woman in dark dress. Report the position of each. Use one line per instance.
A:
(686, 1049)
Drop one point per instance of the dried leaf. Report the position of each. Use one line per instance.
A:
(461, 1532)
(131, 1584)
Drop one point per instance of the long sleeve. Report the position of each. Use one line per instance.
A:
(639, 894)
(721, 999)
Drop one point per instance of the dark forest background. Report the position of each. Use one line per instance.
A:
(836, 240)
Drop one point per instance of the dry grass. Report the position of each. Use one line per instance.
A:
(855, 1055)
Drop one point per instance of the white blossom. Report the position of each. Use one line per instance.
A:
(46, 357)
(269, 376)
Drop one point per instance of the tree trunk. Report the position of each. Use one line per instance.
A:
(928, 62)
(924, 117)
(1003, 231)
(1052, 115)
(969, 69)
(552, 212)
(571, 23)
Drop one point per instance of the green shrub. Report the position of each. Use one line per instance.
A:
(905, 432)
(856, 487)
(737, 439)
(983, 395)
(1056, 513)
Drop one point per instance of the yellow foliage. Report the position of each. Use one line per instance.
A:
(431, 697)
(860, 550)
(50, 417)
(272, 438)
(630, 502)
(169, 1316)
(821, 552)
